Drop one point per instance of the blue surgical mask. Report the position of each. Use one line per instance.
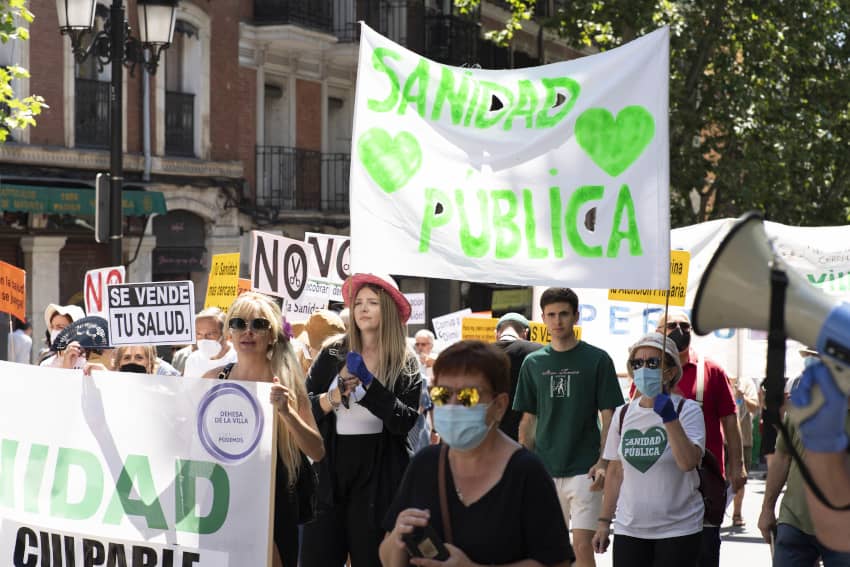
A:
(460, 427)
(648, 381)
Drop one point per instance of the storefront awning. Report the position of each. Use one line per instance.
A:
(78, 202)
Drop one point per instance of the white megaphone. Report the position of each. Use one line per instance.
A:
(734, 293)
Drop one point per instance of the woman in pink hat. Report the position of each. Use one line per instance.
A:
(365, 390)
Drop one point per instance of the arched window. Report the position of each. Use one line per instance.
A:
(92, 120)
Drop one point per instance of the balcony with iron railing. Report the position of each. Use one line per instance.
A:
(293, 179)
(91, 113)
(179, 124)
(313, 14)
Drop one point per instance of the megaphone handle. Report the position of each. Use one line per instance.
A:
(799, 414)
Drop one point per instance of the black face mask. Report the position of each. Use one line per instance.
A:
(133, 367)
(682, 340)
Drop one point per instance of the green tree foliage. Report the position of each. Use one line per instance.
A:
(759, 100)
(15, 113)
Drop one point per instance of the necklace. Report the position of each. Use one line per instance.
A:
(459, 494)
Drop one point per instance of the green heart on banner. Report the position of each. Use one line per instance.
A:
(642, 450)
(615, 143)
(391, 162)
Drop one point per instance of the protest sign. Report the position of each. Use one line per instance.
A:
(330, 267)
(94, 288)
(281, 267)
(223, 282)
(139, 470)
(479, 329)
(540, 175)
(161, 313)
(417, 308)
(13, 291)
(243, 285)
(679, 260)
(448, 328)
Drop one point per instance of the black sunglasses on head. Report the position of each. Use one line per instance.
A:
(258, 325)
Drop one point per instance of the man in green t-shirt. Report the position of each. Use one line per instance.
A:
(562, 389)
(795, 542)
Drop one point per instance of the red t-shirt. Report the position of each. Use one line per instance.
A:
(717, 400)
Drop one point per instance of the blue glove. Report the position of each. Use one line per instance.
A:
(356, 366)
(663, 406)
(824, 431)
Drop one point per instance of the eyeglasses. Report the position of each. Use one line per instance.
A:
(652, 362)
(682, 325)
(467, 397)
(259, 325)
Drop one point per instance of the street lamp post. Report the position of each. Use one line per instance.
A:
(114, 45)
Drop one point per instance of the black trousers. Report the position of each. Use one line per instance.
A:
(709, 554)
(348, 529)
(680, 551)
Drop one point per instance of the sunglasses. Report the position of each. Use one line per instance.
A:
(682, 325)
(467, 397)
(259, 325)
(652, 362)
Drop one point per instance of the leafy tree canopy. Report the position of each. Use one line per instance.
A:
(15, 113)
(759, 99)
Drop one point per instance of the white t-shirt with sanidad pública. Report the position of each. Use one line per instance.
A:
(657, 499)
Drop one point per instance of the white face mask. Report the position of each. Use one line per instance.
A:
(209, 348)
(53, 335)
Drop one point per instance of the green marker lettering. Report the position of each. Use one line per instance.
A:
(581, 196)
(525, 106)
(473, 246)
(457, 98)
(470, 110)
(627, 206)
(484, 117)
(431, 219)
(185, 497)
(136, 473)
(378, 63)
(34, 476)
(60, 507)
(534, 252)
(508, 237)
(552, 85)
(418, 79)
(8, 452)
(555, 216)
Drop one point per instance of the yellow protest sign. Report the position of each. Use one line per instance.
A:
(222, 287)
(479, 328)
(679, 260)
(538, 333)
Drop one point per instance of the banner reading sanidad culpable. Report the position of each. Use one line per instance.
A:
(129, 469)
(547, 175)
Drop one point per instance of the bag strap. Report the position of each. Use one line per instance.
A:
(444, 501)
(225, 372)
(680, 406)
(622, 418)
(700, 379)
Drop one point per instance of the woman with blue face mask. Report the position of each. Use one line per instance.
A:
(501, 504)
(655, 442)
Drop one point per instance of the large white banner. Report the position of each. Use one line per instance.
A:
(124, 469)
(549, 175)
(820, 254)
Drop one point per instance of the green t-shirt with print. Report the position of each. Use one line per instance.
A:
(565, 390)
(794, 509)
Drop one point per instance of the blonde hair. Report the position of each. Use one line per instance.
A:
(284, 364)
(397, 357)
(149, 350)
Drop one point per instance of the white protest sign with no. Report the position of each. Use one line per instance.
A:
(417, 308)
(448, 328)
(161, 313)
(94, 288)
(566, 180)
(282, 266)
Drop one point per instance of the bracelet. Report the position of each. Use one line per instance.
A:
(334, 405)
(606, 520)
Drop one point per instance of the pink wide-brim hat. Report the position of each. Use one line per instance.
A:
(353, 284)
